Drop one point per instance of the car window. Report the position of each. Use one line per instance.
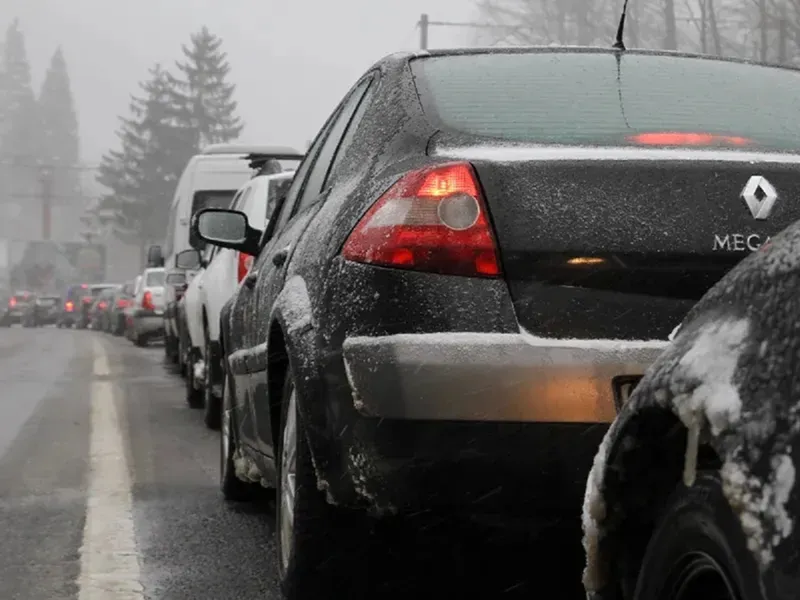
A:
(278, 188)
(299, 179)
(235, 202)
(155, 279)
(322, 164)
(355, 120)
(588, 98)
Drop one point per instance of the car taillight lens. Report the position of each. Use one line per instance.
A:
(69, 306)
(122, 303)
(245, 262)
(147, 301)
(87, 300)
(101, 305)
(433, 219)
(683, 138)
(12, 302)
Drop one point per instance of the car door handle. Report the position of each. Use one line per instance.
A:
(251, 278)
(279, 258)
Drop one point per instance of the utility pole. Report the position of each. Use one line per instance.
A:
(46, 180)
(424, 24)
(423, 31)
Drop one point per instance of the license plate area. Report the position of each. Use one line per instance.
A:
(623, 386)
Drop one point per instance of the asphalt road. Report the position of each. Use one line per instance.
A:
(108, 491)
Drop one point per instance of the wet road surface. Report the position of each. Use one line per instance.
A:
(108, 490)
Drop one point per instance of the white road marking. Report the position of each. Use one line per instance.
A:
(109, 558)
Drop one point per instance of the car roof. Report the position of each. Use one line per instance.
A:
(556, 49)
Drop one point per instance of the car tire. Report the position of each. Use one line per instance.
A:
(194, 397)
(233, 489)
(312, 535)
(698, 534)
(212, 415)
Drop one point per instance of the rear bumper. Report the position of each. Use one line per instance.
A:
(491, 377)
(479, 423)
(148, 323)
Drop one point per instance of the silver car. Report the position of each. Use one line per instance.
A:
(147, 309)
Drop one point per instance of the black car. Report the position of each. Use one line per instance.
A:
(481, 254)
(44, 310)
(15, 308)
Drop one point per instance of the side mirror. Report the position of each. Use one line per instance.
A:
(188, 259)
(155, 258)
(227, 229)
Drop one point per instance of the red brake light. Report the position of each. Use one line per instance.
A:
(84, 286)
(147, 301)
(433, 219)
(69, 306)
(122, 303)
(245, 262)
(87, 300)
(675, 138)
(12, 302)
(101, 305)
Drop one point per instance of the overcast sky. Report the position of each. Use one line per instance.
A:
(292, 60)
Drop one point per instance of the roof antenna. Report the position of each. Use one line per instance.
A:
(618, 43)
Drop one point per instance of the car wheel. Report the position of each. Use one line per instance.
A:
(233, 488)
(312, 534)
(211, 402)
(698, 549)
(194, 397)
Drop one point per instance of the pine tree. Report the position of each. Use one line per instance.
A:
(142, 174)
(20, 140)
(60, 146)
(203, 99)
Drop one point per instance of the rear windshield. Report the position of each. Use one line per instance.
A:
(579, 98)
(96, 291)
(154, 279)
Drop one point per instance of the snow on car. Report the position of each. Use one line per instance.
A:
(482, 253)
(698, 473)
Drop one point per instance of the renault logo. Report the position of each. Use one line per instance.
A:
(760, 197)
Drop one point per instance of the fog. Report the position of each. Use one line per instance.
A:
(291, 61)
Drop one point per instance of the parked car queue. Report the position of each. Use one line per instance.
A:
(536, 282)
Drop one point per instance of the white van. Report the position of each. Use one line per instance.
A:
(210, 179)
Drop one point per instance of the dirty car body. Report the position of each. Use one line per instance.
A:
(441, 369)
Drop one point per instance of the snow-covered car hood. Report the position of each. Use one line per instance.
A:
(732, 377)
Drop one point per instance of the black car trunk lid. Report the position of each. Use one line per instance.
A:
(621, 243)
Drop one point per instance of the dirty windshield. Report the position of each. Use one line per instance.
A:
(392, 299)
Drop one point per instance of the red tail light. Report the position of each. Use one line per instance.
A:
(122, 303)
(245, 262)
(87, 299)
(68, 306)
(101, 305)
(676, 138)
(433, 219)
(147, 301)
(12, 302)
